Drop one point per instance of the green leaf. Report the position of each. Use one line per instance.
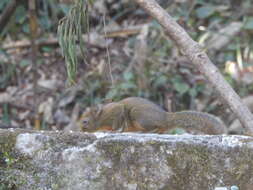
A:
(161, 80)
(112, 93)
(24, 63)
(6, 116)
(155, 24)
(248, 23)
(127, 85)
(128, 76)
(181, 88)
(20, 14)
(205, 11)
(45, 22)
(25, 28)
(177, 131)
(193, 92)
(47, 49)
(200, 87)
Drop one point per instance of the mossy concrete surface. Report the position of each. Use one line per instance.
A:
(106, 161)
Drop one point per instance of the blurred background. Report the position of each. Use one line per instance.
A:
(128, 54)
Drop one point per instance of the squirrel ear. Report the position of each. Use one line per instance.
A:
(92, 111)
(99, 110)
(96, 110)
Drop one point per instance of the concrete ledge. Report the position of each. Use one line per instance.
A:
(106, 161)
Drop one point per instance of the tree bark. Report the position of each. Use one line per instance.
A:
(193, 51)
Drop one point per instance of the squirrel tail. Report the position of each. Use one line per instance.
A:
(199, 122)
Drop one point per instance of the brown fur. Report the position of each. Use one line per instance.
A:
(136, 114)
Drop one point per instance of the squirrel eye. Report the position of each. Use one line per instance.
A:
(85, 122)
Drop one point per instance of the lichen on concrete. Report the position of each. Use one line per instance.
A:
(101, 161)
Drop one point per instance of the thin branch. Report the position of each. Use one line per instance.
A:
(193, 51)
(33, 32)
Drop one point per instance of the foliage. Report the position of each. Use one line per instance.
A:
(70, 30)
(48, 13)
(201, 14)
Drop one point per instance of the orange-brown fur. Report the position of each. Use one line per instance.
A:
(136, 114)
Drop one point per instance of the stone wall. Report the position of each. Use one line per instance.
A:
(106, 161)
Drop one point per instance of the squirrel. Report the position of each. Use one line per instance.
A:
(135, 114)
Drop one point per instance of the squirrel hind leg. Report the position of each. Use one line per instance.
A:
(147, 120)
(135, 127)
(120, 123)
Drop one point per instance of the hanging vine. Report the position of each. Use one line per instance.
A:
(70, 30)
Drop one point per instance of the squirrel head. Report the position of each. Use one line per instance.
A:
(89, 119)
